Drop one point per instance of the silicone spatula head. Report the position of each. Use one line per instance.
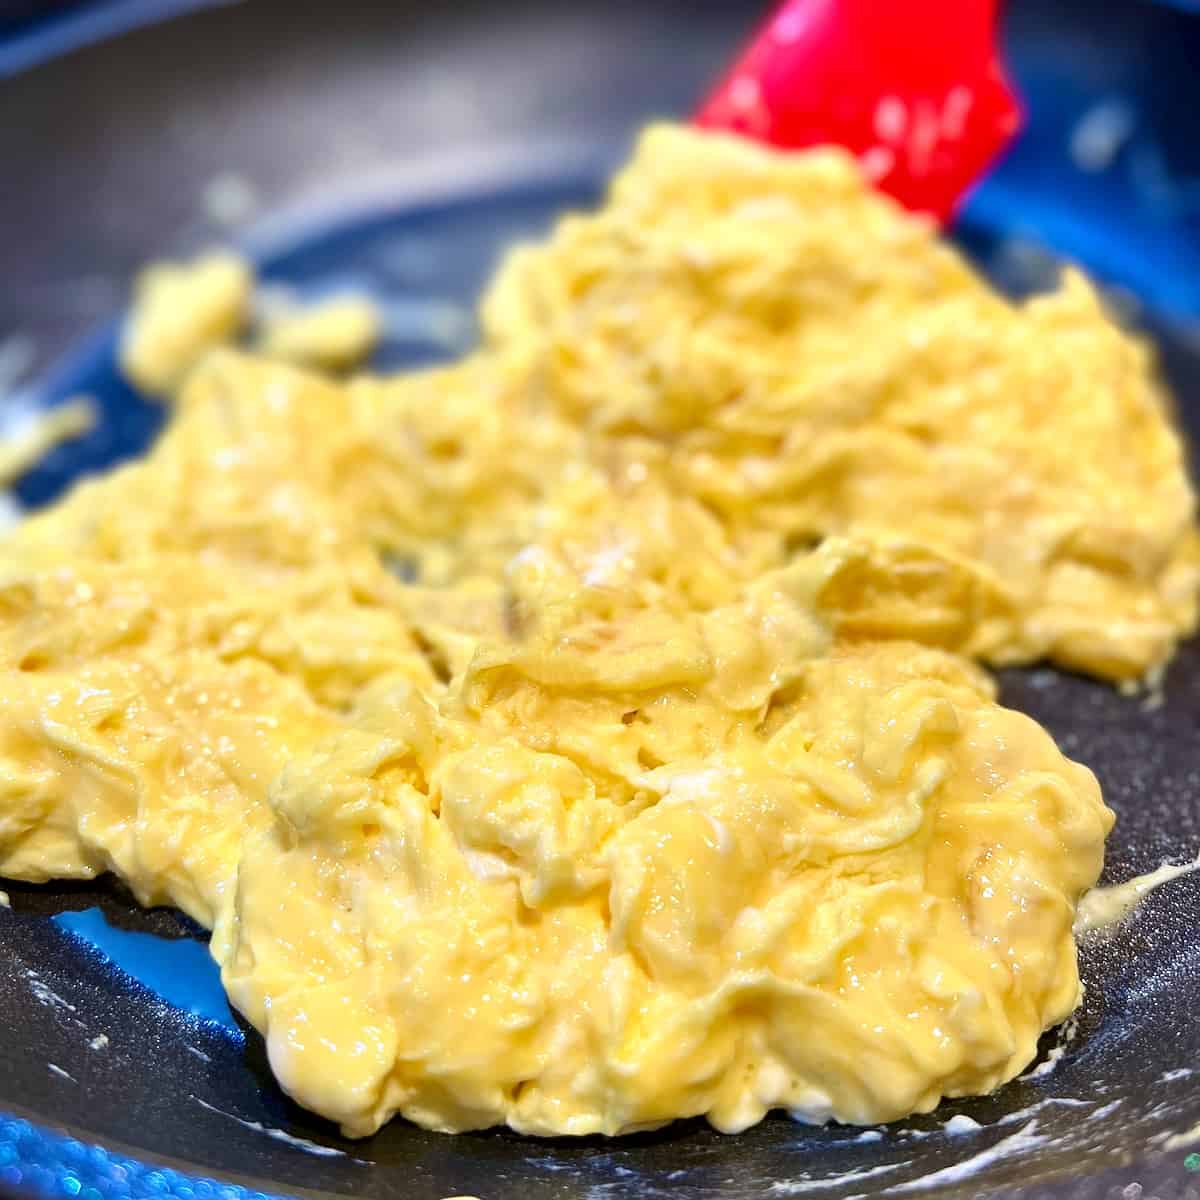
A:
(915, 88)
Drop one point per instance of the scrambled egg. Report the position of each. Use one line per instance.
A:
(183, 311)
(586, 734)
(808, 359)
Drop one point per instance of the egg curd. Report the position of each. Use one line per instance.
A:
(586, 734)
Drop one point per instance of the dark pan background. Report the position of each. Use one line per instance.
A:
(400, 146)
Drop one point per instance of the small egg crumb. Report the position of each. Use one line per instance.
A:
(181, 311)
(333, 335)
(40, 433)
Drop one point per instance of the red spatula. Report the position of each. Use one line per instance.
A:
(915, 88)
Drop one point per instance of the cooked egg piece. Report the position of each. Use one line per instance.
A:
(332, 335)
(180, 312)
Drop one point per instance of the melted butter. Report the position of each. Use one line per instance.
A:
(1104, 907)
(587, 734)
